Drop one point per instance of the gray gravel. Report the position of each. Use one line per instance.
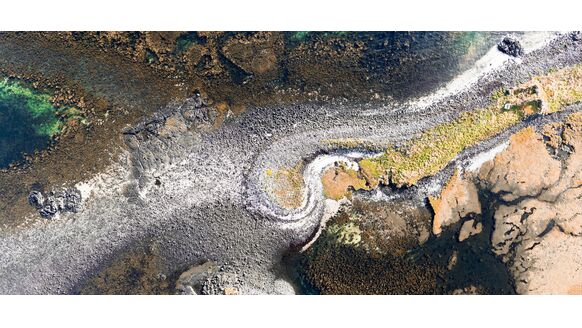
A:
(200, 194)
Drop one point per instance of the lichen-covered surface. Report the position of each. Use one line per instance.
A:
(251, 163)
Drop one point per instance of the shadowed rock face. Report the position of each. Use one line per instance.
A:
(535, 185)
(538, 226)
(518, 216)
(458, 199)
(395, 253)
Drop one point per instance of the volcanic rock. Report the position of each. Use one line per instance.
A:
(68, 200)
(524, 169)
(36, 199)
(511, 46)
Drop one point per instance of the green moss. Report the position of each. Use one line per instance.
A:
(186, 40)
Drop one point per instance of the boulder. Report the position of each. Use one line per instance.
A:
(458, 199)
(72, 200)
(68, 200)
(511, 46)
(192, 281)
(469, 228)
(36, 199)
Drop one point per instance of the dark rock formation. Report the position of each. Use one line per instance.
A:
(510, 45)
(68, 200)
(72, 200)
(36, 199)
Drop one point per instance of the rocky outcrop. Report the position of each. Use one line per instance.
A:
(209, 278)
(256, 54)
(536, 187)
(458, 199)
(192, 281)
(338, 181)
(511, 46)
(65, 200)
(525, 168)
(158, 140)
(540, 237)
(470, 228)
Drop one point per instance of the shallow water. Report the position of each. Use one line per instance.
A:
(405, 65)
(401, 65)
(28, 121)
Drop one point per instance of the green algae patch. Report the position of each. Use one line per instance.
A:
(16, 97)
(28, 120)
(431, 152)
(436, 147)
(347, 233)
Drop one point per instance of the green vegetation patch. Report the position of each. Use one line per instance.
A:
(28, 120)
(436, 147)
(348, 233)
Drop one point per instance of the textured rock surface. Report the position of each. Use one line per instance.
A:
(457, 199)
(540, 237)
(65, 200)
(257, 54)
(364, 250)
(525, 168)
(338, 181)
(470, 228)
(192, 281)
(510, 45)
(197, 191)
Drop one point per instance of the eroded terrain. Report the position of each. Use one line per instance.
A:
(245, 163)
